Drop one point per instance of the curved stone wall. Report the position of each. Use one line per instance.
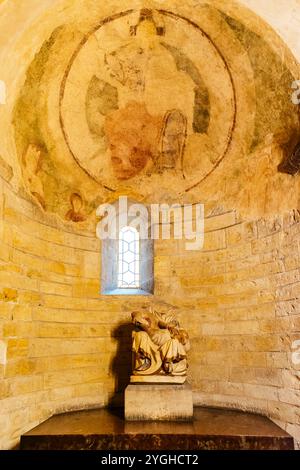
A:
(63, 345)
(66, 347)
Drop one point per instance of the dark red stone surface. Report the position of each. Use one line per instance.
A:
(212, 429)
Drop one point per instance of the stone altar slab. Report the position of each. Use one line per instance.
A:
(104, 429)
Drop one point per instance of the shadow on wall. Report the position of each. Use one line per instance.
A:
(121, 365)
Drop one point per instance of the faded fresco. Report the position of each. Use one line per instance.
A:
(146, 102)
(151, 103)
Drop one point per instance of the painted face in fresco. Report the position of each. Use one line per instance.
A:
(129, 156)
(132, 135)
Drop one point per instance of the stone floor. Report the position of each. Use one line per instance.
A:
(211, 429)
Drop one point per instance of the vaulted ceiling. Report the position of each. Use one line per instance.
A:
(161, 100)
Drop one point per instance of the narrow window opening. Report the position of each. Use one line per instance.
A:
(129, 259)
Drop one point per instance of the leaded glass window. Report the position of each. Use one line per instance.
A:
(129, 258)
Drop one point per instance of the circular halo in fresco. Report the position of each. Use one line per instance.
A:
(153, 102)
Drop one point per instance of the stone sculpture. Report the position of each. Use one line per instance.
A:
(159, 348)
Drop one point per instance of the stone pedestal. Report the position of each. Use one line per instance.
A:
(157, 379)
(158, 402)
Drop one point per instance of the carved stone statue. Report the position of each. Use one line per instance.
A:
(159, 348)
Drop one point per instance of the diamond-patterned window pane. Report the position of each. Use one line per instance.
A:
(129, 262)
(128, 257)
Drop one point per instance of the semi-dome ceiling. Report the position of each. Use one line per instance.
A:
(157, 100)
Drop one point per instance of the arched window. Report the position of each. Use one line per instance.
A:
(129, 258)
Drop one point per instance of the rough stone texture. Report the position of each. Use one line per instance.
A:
(158, 402)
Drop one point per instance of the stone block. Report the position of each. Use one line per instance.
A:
(87, 288)
(240, 233)
(3, 352)
(17, 347)
(214, 240)
(157, 379)
(158, 402)
(217, 222)
(9, 295)
(20, 367)
(55, 288)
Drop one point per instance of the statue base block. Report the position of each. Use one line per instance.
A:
(158, 379)
(158, 402)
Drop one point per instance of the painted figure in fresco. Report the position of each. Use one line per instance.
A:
(75, 214)
(31, 167)
(159, 344)
(139, 141)
(172, 141)
(128, 64)
(132, 135)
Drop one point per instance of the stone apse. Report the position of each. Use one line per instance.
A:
(163, 102)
